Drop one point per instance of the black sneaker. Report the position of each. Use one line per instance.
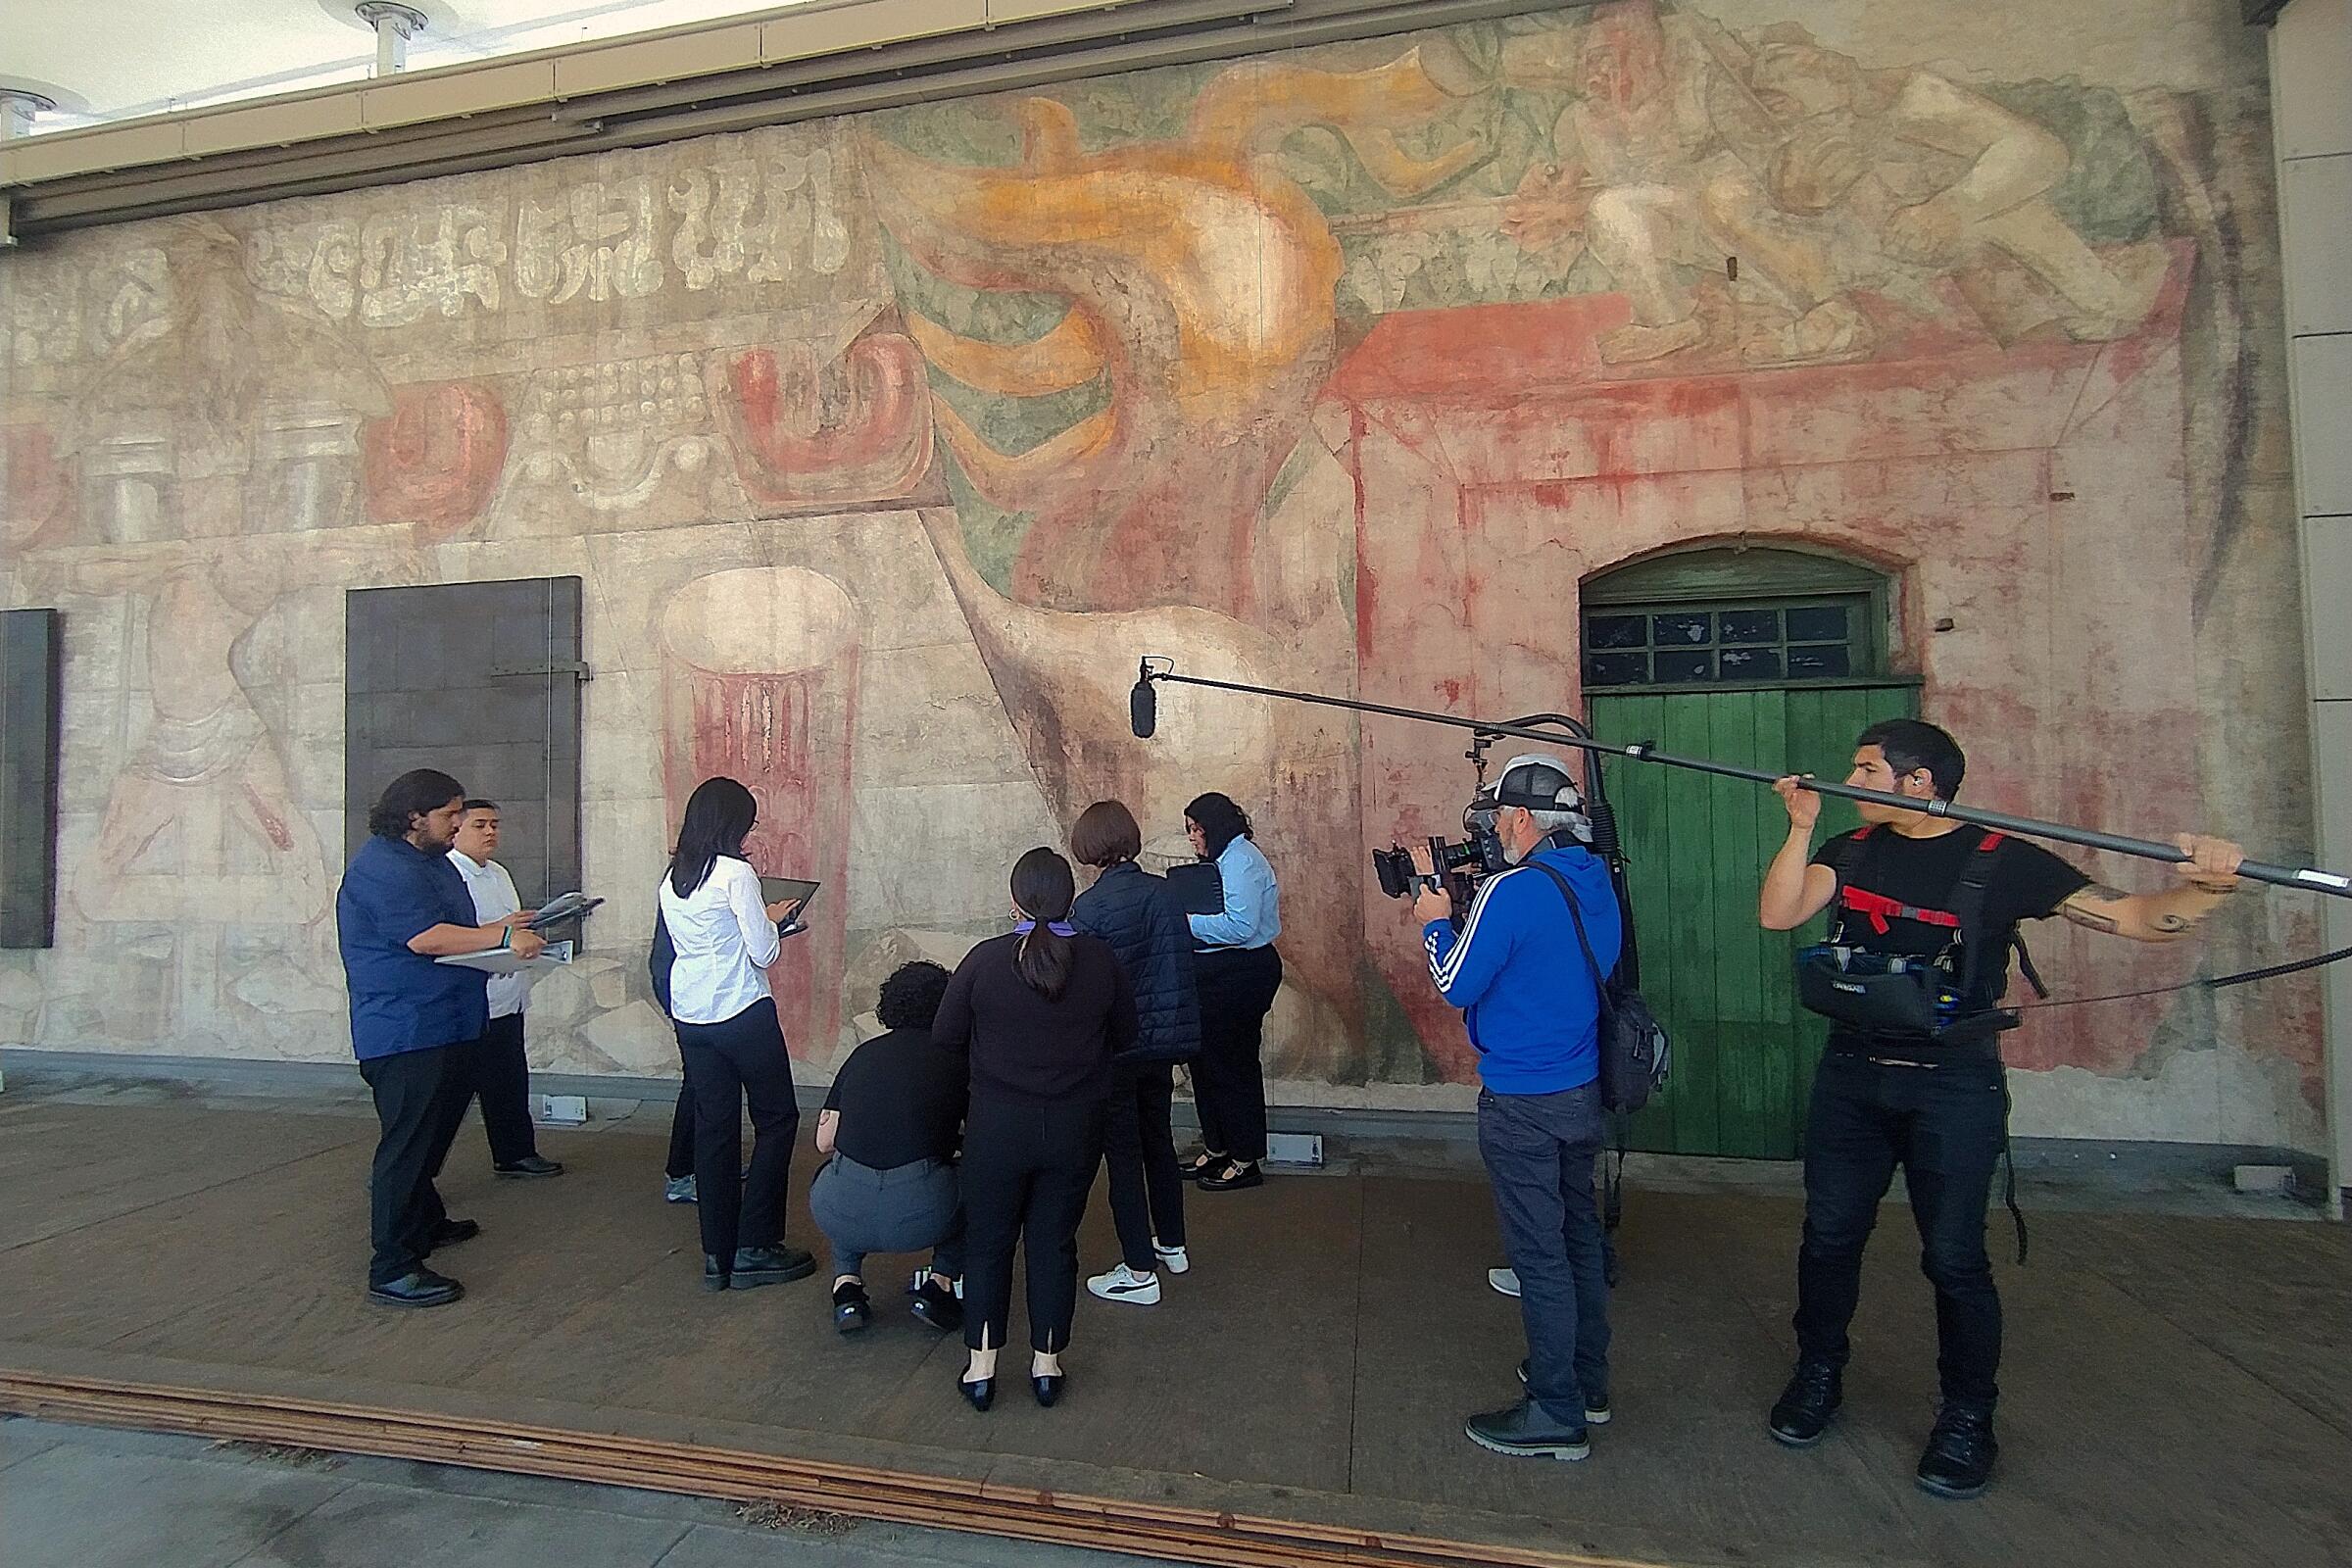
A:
(1958, 1461)
(1526, 1432)
(1597, 1410)
(851, 1311)
(936, 1304)
(769, 1265)
(1807, 1404)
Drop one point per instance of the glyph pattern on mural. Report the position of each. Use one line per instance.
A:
(886, 445)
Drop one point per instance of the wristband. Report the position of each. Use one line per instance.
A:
(505, 939)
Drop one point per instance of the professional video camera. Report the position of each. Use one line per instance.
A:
(1461, 865)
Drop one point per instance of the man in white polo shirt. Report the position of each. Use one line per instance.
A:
(502, 1072)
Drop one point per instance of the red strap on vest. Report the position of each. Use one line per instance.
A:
(1878, 908)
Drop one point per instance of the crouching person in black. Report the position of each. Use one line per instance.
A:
(891, 1127)
(1912, 979)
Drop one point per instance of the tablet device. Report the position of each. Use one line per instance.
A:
(1199, 890)
(783, 889)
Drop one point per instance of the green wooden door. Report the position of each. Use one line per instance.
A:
(1695, 849)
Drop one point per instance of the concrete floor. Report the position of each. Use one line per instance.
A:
(85, 1498)
(2178, 1384)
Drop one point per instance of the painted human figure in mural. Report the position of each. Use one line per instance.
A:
(1688, 146)
(217, 426)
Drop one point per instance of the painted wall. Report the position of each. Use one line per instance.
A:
(1337, 369)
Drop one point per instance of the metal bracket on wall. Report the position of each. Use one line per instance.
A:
(577, 669)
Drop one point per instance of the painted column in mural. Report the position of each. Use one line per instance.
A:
(759, 683)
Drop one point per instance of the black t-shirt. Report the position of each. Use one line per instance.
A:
(900, 1099)
(2027, 883)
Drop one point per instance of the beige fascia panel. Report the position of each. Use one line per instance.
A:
(272, 125)
(865, 25)
(1000, 11)
(453, 94)
(83, 151)
(676, 57)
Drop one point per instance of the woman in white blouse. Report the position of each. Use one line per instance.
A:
(732, 1044)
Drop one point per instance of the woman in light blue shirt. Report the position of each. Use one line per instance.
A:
(1238, 973)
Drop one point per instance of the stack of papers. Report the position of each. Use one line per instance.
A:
(568, 907)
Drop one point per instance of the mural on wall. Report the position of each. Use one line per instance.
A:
(887, 445)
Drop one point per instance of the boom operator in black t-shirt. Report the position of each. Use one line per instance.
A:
(1921, 1087)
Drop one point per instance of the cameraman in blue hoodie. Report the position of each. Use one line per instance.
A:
(1518, 972)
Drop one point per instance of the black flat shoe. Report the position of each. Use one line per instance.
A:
(851, 1311)
(1047, 1386)
(1199, 1166)
(714, 1274)
(528, 1166)
(979, 1396)
(422, 1287)
(769, 1265)
(1232, 1177)
(450, 1232)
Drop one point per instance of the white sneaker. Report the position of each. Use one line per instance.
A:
(1172, 1258)
(1123, 1284)
(1503, 1281)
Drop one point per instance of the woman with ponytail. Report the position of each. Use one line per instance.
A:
(1039, 1012)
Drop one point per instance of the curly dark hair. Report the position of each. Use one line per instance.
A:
(911, 996)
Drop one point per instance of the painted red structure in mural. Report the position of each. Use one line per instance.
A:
(760, 685)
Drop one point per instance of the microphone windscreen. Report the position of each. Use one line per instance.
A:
(1143, 710)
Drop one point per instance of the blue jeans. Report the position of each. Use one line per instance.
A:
(1539, 1150)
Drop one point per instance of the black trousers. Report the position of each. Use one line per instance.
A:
(1229, 1082)
(420, 1104)
(727, 1065)
(681, 1137)
(1139, 1151)
(1026, 1170)
(1944, 1126)
(502, 1082)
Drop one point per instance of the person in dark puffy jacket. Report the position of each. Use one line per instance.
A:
(1142, 919)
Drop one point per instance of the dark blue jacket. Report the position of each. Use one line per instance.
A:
(1139, 915)
(403, 1000)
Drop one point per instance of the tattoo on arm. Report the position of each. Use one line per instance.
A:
(2087, 909)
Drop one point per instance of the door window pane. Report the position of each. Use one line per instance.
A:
(1684, 663)
(1617, 669)
(1616, 631)
(1818, 623)
(1683, 628)
(1820, 659)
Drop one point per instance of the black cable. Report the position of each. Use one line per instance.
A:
(2243, 977)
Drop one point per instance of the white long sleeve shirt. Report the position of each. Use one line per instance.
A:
(494, 899)
(723, 940)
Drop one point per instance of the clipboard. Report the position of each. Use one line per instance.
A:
(1200, 887)
(783, 889)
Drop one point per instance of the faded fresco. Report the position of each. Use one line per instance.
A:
(885, 446)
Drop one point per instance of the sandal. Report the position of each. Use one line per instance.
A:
(851, 1311)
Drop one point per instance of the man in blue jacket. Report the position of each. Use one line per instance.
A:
(1519, 975)
(402, 906)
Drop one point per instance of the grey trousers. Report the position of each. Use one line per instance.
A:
(908, 1208)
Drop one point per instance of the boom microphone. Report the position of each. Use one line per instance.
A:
(2311, 878)
(1143, 703)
